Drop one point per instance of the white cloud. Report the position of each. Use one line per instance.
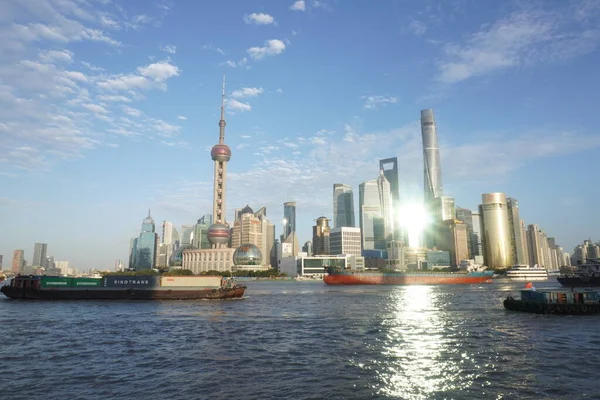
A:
(234, 105)
(299, 5)
(158, 73)
(95, 108)
(271, 47)
(56, 56)
(526, 37)
(182, 117)
(417, 27)
(241, 63)
(279, 90)
(169, 48)
(114, 98)
(211, 47)
(246, 92)
(165, 129)
(374, 102)
(134, 112)
(259, 19)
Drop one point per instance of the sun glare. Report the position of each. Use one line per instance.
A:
(413, 219)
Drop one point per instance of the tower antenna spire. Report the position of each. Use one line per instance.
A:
(222, 121)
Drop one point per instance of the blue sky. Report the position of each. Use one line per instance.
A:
(108, 108)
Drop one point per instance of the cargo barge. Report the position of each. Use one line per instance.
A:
(555, 301)
(586, 275)
(338, 276)
(122, 287)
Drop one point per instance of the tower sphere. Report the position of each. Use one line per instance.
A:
(220, 152)
(218, 233)
(247, 254)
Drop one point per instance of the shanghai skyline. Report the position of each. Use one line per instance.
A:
(92, 149)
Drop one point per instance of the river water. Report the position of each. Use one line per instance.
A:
(300, 340)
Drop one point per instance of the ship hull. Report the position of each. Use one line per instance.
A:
(408, 278)
(575, 281)
(123, 293)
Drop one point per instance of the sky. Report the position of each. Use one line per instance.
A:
(109, 108)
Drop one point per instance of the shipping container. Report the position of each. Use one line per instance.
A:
(130, 281)
(191, 281)
(56, 281)
(86, 282)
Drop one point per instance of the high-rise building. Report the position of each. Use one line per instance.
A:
(63, 266)
(536, 256)
(452, 237)
(343, 205)
(496, 231)
(18, 262)
(289, 219)
(1, 259)
(39, 254)
(372, 224)
(218, 233)
(445, 208)
(385, 200)
(146, 245)
(516, 242)
(466, 216)
(133, 253)
(389, 166)
(524, 242)
(321, 244)
(308, 247)
(248, 229)
(476, 239)
(431, 157)
(345, 240)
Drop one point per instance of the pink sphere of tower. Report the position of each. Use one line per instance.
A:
(218, 233)
(220, 152)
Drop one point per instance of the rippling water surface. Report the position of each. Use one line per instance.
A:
(300, 340)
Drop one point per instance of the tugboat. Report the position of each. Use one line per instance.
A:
(555, 301)
(586, 275)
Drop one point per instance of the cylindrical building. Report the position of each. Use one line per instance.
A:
(431, 156)
(496, 231)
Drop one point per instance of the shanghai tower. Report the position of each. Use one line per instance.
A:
(431, 157)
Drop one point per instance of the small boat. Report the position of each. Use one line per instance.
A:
(555, 301)
(527, 273)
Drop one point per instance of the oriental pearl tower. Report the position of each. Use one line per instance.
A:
(218, 232)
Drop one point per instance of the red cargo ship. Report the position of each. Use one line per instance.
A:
(337, 276)
(122, 287)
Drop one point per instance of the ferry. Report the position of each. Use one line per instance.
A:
(526, 273)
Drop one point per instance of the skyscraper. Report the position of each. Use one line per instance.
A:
(146, 245)
(218, 233)
(389, 166)
(321, 244)
(496, 230)
(289, 219)
(431, 157)
(18, 261)
(516, 242)
(39, 254)
(343, 205)
(385, 200)
(371, 198)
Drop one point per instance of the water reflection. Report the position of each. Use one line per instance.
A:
(421, 352)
